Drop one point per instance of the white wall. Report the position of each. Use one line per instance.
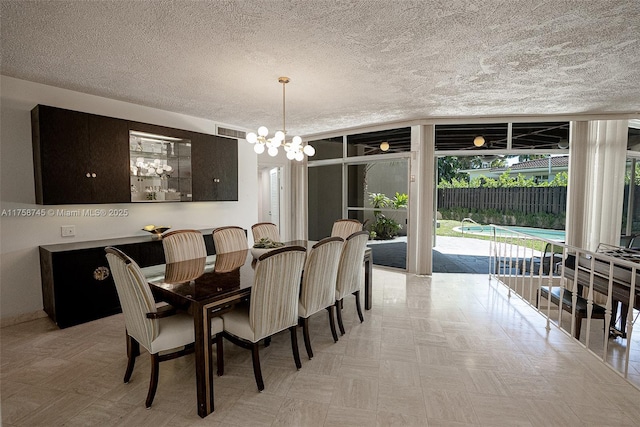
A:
(20, 285)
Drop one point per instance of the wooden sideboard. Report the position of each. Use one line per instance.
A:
(77, 285)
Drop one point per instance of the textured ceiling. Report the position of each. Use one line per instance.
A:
(351, 63)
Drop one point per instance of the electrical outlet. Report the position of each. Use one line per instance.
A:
(68, 230)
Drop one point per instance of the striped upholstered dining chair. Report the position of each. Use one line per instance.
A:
(229, 239)
(318, 289)
(265, 230)
(157, 331)
(351, 273)
(345, 227)
(230, 261)
(182, 245)
(273, 306)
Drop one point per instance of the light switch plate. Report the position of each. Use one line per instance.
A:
(68, 230)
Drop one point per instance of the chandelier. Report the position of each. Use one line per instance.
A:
(294, 148)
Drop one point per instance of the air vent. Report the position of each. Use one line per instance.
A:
(233, 133)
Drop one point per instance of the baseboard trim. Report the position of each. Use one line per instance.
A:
(26, 317)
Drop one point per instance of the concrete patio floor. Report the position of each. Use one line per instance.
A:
(450, 255)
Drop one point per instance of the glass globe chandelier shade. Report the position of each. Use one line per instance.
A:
(294, 149)
(259, 148)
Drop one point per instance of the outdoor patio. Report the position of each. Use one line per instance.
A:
(450, 255)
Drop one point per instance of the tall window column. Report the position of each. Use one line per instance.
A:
(422, 194)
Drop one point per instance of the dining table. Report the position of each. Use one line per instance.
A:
(208, 287)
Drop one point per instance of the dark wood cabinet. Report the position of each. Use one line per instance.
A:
(79, 157)
(60, 155)
(77, 285)
(109, 144)
(73, 289)
(214, 161)
(84, 158)
(160, 130)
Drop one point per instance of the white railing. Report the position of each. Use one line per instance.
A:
(598, 291)
(471, 221)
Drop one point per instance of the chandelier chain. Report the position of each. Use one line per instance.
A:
(284, 115)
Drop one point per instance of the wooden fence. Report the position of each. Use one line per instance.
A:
(528, 200)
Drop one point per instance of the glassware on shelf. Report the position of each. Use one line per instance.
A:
(157, 165)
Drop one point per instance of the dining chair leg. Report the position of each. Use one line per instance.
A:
(219, 354)
(294, 346)
(257, 372)
(133, 350)
(267, 341)
(339, 316)
(136, 348)
(332, 323)
(307, 339)
(153, 382)
(358, 307)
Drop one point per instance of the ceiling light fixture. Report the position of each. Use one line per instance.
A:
(384, 146)
(294, 148)
(478, 141)
(563, 144)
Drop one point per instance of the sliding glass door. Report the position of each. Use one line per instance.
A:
(364, 177)
(324, 199)
(377, 196)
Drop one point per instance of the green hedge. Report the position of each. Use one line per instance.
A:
(504, 181)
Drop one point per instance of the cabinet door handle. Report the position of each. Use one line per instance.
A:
(101, 273)
(93, 175)
(88, 175)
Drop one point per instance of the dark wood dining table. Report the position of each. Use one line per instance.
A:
(207, 287)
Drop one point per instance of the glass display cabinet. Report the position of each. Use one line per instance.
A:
(160, 168)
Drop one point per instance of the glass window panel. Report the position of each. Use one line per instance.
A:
(633, 142)
(381, 142)
(324, 199)
(631, 198)
(494, 136)
(330, 148)
(359, 215)
(549, 135)
(383, 177)
(481, 136)
(632, 189)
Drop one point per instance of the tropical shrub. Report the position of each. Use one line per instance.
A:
(384, 228)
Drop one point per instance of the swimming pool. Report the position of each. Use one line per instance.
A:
(480, 230)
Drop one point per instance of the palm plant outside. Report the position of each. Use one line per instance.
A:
(384, 228)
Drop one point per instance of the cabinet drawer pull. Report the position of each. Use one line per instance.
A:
(101, 273)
